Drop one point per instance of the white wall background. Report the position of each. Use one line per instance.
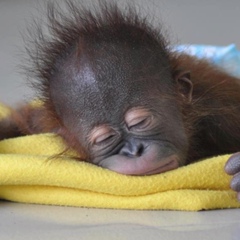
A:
(188, 21)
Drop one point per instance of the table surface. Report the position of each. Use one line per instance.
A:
(27, 221)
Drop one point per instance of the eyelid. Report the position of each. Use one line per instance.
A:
(136, 116)
(103, 137)
(142, 125)
(132, 113)
(100, 134)
(137, 121)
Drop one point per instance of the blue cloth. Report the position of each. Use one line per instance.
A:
(226, 57)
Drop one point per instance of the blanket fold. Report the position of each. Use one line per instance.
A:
(29, 174)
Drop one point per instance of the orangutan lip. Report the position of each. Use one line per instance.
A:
(167, 167)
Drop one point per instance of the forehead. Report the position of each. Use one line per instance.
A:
(99, 85)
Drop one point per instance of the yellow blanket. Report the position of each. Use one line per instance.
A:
(28, 174)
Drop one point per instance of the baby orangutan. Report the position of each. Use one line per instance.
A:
(117, 94)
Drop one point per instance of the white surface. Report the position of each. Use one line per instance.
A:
(25, 221)
(190, 21)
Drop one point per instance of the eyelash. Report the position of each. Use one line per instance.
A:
(140, 125)
(111, 138)
(105, 139)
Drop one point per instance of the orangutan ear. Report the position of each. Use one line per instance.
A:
(185, 86)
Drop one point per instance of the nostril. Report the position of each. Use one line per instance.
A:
(140, 150)
(132, 150)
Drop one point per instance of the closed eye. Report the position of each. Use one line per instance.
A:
(103, 136)
(140, 124)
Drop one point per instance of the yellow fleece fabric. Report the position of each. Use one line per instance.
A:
(29, 174)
